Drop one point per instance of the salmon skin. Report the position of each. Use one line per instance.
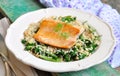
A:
(56, 33)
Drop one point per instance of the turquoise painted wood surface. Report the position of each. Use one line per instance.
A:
(15, 8)
(102, 69)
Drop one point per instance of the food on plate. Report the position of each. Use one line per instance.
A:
(53, 33)
(60, 39)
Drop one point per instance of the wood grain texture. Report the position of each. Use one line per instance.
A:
(102, 69)
(15, 8)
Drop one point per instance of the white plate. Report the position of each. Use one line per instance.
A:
(15, 34)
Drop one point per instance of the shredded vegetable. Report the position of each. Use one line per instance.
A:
(86, 44)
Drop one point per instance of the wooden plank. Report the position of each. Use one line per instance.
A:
(15, 8)
(99, 70)
(118, 68)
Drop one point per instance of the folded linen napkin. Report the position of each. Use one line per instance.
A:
(2, 69)
(104, 11)
(27, 70)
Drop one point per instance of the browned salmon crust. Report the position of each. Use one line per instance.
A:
(47, 34)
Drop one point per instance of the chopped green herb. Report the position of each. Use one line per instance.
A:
(65, 35)
(58, 27)
(68, 19)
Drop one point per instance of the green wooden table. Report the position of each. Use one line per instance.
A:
(15, 8)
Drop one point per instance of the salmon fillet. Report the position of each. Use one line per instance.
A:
(57, 34)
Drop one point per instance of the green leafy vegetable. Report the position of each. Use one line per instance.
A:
(73, 54)
(67, 57)
(88, 42)
(68, 19)
(28, 48)
(52, 55)
(38, 49)
(81, 37)
(60, 52)
(81, 56)
(23, 41)
(85, 45)
(49, 58)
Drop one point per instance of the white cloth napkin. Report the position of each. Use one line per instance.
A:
(2, 69)
(27, 70)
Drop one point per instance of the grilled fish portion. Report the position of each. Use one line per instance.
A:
(58, 34)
